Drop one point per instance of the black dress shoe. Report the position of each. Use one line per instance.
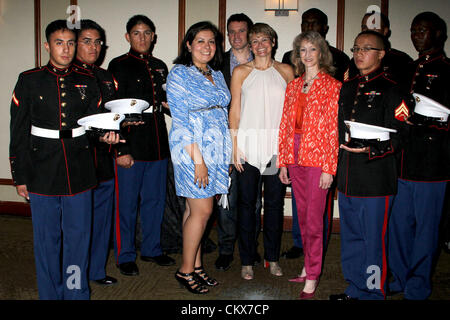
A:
(162, 260)
(106, 281)
(223, 262)
(341, 297)
(128, 268)
(292, 253)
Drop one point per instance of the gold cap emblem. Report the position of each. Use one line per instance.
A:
(116, 117)
(417, 99)
(133, 103)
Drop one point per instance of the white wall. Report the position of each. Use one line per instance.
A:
(201, 10)
(16, 55)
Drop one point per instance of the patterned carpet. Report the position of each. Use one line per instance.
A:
(18, 280)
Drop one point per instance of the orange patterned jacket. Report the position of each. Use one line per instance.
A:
(319, 142)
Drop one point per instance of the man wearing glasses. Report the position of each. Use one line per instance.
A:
(367, 176)
(91, 38)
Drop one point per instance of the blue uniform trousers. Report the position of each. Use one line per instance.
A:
(61, 233)
(363, 223)
(413, 236)
(103, 201)
(143, 187)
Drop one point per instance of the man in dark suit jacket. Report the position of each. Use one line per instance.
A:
(314, 20)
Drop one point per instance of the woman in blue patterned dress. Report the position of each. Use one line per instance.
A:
(200, 142)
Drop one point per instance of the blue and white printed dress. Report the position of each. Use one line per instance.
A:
(199, 115)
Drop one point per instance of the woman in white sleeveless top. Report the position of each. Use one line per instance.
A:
(258, 90)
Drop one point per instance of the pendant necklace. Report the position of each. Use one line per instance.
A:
(308, 82)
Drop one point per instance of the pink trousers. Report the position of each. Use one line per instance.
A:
(311, 202)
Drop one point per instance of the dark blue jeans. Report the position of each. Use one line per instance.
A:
(274, 191)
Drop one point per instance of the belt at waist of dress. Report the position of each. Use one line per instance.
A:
(206, 109)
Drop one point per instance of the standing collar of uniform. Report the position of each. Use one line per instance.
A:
(144, 56)
(84, 65)
(431, 55)
(58, 71)
(372, 75)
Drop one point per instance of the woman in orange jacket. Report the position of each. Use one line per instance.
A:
(308, 145)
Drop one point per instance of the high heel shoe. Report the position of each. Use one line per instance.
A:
(274, 268)
(298, 279)
(247, 272)
(204, 278)
(308, 295)
(190, 282)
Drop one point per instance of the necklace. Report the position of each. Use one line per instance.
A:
(309, 82)
(207, 73)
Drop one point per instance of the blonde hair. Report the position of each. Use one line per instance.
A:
(325, 59)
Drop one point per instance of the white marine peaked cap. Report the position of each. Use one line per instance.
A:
(106, 121)
(127, 106)
(429, 108)
(360, 130)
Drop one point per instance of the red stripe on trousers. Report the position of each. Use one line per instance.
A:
(116, 186)
(383, 243)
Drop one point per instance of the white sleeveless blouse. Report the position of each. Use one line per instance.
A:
(262, 100)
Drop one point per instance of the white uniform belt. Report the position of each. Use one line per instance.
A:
(148, 110)
(57, 134)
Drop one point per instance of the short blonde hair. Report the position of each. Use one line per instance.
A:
(325, 60)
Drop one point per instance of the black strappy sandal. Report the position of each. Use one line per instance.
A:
(204, 278)
(191, 282)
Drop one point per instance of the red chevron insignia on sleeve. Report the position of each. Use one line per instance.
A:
(402, 112)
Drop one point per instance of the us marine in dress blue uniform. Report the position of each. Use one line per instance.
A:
(367, 181)
(51, 162)
(143, 184)
(91, 37)
(424, 167)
